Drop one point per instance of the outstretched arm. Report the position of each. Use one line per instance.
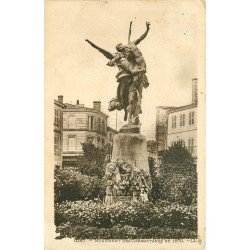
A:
(112, 62)
(103, 51)
(137, 41)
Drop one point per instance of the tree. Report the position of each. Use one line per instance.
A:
(178, 157)
(92, 162)
(178, 180)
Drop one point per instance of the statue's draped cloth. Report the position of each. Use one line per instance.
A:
(128, 85)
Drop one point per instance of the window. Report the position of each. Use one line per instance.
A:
(191, 118)
(182, 120)
(57, 116)
(191, 145)
(103, 142)
(72, 122)
(72, 143)
(90, 122)
(99, 124)
(56, 145)
(173, 121)
(103, 126)
(172, 143)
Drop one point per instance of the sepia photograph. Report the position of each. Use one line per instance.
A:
(124, 124)
(126, 142)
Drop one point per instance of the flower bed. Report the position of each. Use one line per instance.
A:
(124, 232)
(88, 219)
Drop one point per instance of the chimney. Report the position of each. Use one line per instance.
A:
(60, 98)
(77, 102)
(195, 90)
(97, 105)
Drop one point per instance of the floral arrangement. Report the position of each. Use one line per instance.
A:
(124, 166)
(110, 171)
(127, 178)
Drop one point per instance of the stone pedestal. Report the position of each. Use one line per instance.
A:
(131, 147)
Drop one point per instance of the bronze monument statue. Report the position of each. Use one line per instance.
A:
(127, 175)
(131, 76)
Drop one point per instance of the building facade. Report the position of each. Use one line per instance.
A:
(82, 124)
(178, 123)
(182, 125)
(58, 130)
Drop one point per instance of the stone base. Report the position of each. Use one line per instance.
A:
(126, 199)
(131, 147)
(130, 128)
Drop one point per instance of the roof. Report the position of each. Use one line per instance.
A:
(175, 109)
(112, 130)
(80, 108)
(62, 105)
(165, 107)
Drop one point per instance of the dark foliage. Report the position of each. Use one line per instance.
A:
(92, 161)
(123, 232)
(177, 158)
(155, 193)
(177, 178)
(75, 219)
(72, 185)
(94, 213)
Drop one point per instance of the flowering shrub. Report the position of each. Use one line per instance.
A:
(84, 213)
(178, 187)
(95, 214)
(72, 185)
(123, 232)
(136, 214)
(178, 216)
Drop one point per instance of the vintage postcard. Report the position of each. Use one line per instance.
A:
(124, 124)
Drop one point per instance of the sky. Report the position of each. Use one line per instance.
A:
(78, 72)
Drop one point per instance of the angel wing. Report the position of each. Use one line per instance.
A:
(103, 51)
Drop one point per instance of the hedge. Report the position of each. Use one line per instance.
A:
(95, 214)
(72, 185)
(123, 232)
